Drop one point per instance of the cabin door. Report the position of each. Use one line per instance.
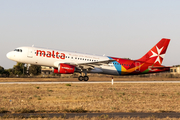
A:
(30, 53)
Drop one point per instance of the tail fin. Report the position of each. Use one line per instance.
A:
(156, 54)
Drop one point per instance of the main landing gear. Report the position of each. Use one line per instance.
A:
(81, 78)
(85, 78)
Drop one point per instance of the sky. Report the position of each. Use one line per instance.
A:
(117, 28)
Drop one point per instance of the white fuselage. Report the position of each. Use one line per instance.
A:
(51, 58)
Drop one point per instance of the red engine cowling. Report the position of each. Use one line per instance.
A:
(64, 69)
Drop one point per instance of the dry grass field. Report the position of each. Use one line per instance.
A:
(90, 98)
(64, 98)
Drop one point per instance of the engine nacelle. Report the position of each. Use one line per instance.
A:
(64, 69)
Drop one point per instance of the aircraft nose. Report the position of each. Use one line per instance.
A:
(9, 55)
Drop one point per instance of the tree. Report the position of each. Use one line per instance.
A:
(1, 70)
(7, 73)
(35, 69)
(19, 69)
(10, 71)
(4, 72)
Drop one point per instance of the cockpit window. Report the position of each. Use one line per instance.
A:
(18, 50)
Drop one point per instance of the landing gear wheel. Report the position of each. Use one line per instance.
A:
(80, 78)
(86, 78)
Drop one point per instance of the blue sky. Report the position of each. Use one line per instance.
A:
(119, 28)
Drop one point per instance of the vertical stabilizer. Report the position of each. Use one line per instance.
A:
(157, 53)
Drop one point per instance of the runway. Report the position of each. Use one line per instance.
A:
(89, 82)
(90, 115)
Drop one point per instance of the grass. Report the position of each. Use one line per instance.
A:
(122, 97)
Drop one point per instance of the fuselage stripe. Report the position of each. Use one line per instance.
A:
(117, 66)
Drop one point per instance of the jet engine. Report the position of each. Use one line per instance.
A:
(64, 69)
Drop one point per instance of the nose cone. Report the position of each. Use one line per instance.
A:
(13, 56)
(9, 55)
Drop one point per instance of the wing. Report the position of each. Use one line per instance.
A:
(91, 65)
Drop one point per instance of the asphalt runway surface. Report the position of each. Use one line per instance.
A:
(90, 115)
(89, 82)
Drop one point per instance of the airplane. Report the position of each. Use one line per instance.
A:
(63, 62)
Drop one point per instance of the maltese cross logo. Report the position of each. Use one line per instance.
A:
(158, 55)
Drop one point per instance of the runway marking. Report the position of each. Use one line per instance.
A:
(98, 82)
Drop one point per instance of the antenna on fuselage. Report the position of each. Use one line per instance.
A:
(32, 45)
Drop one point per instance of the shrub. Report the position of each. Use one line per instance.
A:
(37, 87)
(2, 110)
(25, 110)
(68, 84)
(76, 110)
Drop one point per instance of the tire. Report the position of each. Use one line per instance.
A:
(86, 78)
(80, 78)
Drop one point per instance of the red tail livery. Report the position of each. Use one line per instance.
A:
(156, 54)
